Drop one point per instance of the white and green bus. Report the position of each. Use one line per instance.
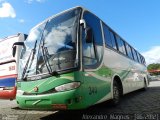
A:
(73, 60)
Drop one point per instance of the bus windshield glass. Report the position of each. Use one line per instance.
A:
(51, 46)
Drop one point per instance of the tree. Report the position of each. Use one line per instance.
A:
(154, 66)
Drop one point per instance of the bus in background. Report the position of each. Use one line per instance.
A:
(8, 65)
(73, 60)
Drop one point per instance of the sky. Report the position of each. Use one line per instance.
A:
(137, 21)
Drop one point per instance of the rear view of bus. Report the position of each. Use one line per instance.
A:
(8, 69)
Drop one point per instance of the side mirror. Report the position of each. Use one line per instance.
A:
(14, 51)
(88, 31)
(14, 47)
(89, 35)
(83, 22)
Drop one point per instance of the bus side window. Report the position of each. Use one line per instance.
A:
(142, 59)
(89, 56)
(135, 55)
(139, 59)
(120, 43)
(113, 40)
(108, 40)
(129, 51)
(92, 52)
(109, 37)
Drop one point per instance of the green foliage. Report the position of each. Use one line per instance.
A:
(154, 66)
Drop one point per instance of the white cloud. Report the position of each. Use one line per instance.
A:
(30, 1)
(2, 0)
(6, 10)
(56, 38)
(152, 55)
(21, 20)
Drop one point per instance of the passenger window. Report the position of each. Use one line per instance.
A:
(139, 57)
(135, 55)
(129, 51)
(120, 43)
(89, 55)
(92, 52)
(109, 37)
(113, 40)
(143, 61)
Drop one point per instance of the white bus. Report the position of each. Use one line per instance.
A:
(8, 65)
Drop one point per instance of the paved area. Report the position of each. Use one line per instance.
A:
(137, 105)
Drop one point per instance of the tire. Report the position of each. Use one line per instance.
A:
(116, 93)
(145, 86)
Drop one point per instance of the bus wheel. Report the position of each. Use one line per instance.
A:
(116, 93)
(145, 85)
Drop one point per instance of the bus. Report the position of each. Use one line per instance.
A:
(8, 66)
(73, 60)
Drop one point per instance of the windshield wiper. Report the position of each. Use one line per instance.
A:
(32, 53)
(45, 54)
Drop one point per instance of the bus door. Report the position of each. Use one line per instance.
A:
(92, 53)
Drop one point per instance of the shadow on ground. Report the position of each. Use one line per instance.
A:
(125, 107)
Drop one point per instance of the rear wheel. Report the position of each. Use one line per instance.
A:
(116, 93)
(145, 85)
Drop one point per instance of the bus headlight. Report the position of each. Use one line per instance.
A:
(68, 86)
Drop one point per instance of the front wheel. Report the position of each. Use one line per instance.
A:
(116, 93)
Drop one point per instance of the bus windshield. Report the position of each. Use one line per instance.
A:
(51, 46)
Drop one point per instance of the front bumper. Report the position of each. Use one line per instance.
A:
(8, 94)
(60, 100)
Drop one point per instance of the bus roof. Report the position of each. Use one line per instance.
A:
(11, 36)
(6, 46)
